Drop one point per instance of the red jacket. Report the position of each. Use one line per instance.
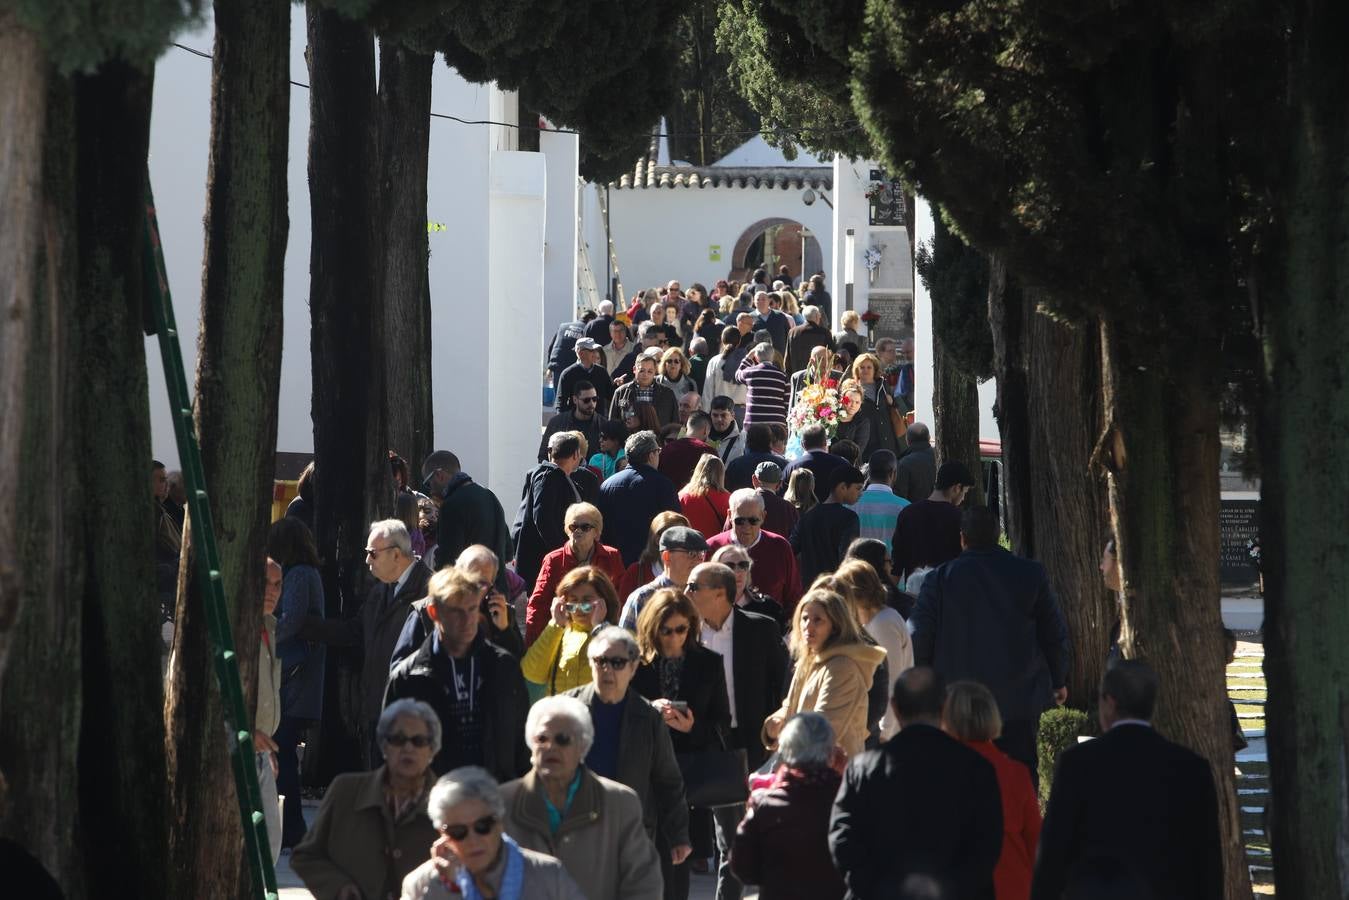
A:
(705, 512)
(1020, 823)
(679, 457)
(554, 567)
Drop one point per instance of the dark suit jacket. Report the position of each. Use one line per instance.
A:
(663, 399)
(1138, 801)
(471, 514)
(538, 522)
(646, 763)
(916, 473)
(629, 500)
(921, 804)
(702, 684)
(990, 616)
(820, 463)
(382, 618)
(759, 662)
(821, 538)
(804, 338)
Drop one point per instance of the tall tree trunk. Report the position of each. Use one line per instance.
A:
(1161, 448)
(238, 378)
(122, 778)
(22, 117)
(1050, 417)
(43, 681)
(955, 410)
(353, 484)
(405, 136)
(1304, 500)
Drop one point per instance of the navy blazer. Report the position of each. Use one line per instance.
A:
(629, 500)
(820, 463)
(991, 616)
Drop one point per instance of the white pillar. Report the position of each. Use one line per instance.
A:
(518, 192)
(562, 153)
(923, 376)
(850, 211)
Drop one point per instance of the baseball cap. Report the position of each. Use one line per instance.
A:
(768, 472)
(681, 537)
(587, 344)
(953, 473)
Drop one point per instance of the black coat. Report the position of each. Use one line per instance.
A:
(990, 616)
(598, 330)
(567, 421)
(821, 538)
(504, 704)
(562, 348)
(471, 514)
(759, 662)
(597, 375)
(1139, 804)
(921, 804)
(916, 473)
(702, 684)
(538, 528)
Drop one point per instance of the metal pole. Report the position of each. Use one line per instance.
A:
(608, 256)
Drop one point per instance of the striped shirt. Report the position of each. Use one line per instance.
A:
(878, 508)
(766, 394)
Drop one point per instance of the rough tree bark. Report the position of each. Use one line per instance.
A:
(22, 116)
(353, 485)
(1160, 446)
(405, 136)
(955, 410)
(1050, 415)
(1304, 501)
(238, 377)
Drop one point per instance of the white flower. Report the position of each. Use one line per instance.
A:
(872, 257)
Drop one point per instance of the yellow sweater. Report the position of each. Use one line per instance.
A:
(557, 660)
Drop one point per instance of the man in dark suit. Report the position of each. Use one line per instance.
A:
(817, 459)
(1130, 808)
(469, 513)
(991, 617)
(548, 491)
(756, 673)
(920, 816)
(630, 499)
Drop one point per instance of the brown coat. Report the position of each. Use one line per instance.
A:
(835, 684)
(601, 841)
(354, 840)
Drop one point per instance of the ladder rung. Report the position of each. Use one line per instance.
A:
(215, 574)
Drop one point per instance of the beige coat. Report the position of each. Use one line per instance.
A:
(268, 717)
(835, 684)
(355, 840)
(545, 879)
(601, 842)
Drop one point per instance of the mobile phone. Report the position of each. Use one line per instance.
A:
(681, 705)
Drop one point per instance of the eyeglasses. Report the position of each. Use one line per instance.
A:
(740, 564)
(581, 606)
(698, 554)
(561, 739)
(680, 630)
(482, 826)
(399, 739)
(580, 527)
(617, 663)
(692, 587)
(376, 551)
(586, 400)
(746, 520)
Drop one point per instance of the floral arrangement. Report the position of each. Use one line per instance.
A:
(871, 317)
(820, 401)
(872, 257)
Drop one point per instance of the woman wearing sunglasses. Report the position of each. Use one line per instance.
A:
(747, 596)
(583, 524)
(372, 827)
(474, 857)
(557, 661)
(561, 807)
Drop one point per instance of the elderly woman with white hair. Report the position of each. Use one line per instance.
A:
(372, 828)
(561, 808)
(474, 857)
(782, 844)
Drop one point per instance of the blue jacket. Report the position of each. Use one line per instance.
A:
(992, 617)
(302, 662)
(629, 500)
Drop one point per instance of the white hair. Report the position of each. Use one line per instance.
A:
(698, 346)
(743, 496)
(474, 556)
(806, 740)
(812, 313)
(562, 707)
(395, 532)
(417, 709)
(606, 308)
(464, 783)
(612, 634)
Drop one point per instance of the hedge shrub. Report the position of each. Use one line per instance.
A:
(1059, 730)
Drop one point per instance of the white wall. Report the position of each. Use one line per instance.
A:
(664, 233)
(852, 210)
(562, 154)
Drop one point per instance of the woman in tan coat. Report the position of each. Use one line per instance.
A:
(834, 670)
(372, 829)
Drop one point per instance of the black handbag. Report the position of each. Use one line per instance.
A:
(715, 778)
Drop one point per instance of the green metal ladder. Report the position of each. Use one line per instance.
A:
(238, 725)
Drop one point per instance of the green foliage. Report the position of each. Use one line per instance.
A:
(709, 118)
(1059, 730)
(81, 35)
(956, 275)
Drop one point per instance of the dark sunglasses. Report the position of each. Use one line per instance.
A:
(681, 630)
(746, 520)
(580, 527)
(482, 826)
(557, 740)
(743, 565)
(400, 740)
(617, 663)
(586, 399)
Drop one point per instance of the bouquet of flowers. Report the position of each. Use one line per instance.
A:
(820, 401)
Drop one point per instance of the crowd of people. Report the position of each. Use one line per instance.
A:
(685, 651)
